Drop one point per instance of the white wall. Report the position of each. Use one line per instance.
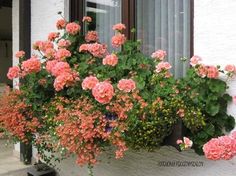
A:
(215, 35)
(215, 39)
(44, 15)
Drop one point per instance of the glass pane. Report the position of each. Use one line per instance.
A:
(165, 24)
(105, 13)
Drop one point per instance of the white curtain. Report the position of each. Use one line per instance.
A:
(108, 13)
(165, 24)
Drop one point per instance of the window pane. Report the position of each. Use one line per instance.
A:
(105, 14)
(165, 24)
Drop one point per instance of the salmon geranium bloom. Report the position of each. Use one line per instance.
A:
(91, 36)
(32, 65)
(53, 35)
(195, 60)
(13, 72)
(73, 28)
(159, 55)
(89, 82)
(103, 92)
(126, 85)
(118, 40)
(230, 68)
(61, 24)
(163, 66)
(20, 54)
(111, 60)
(119, 27)
(87, 19)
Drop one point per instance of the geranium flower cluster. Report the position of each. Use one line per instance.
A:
(63, 73)
(184, 144)
(96, 49)
(118, 39)
(82, 125)
(16, 118)
(209, 71)
(223, 147)
(32, 65)
(93, 95)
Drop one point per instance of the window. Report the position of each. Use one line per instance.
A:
(160, 24)
(105, 13)
(165, 24)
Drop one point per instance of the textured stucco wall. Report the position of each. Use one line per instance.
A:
(215, 39)
(215, 35)
(43, 17)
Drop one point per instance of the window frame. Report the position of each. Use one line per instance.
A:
(77, 8)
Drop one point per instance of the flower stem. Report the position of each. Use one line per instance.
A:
(90, 169)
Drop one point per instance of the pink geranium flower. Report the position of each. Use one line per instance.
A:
(20, 54)
(42, 45)
(13, 72)
(89, 82)
(184, 144)
(213, 150)
(61, 24)
(73, 28)
(227, 143)
(91, 36)
(179, 141)
(111, 59)
(84, 48)
(50, 64)
(97, 50)
(202, 71)
(230, 68)
(212, 72)
(31, 65)
(118, 40)
(119, 27)
(63, 43)
(188, 143)
(126, 85)
(223, 147)
(50, 53)
(87, 19)
(159, 55)
(195, 60)
(163, 66)
(59, 68)
(64, 79)
(103, 92)
(53, 35)
(62, 54)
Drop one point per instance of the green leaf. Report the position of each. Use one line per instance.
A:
(140, 82)
(227, 97)
(230, 123)
(212, 108)
(210, 129)
(217, 86)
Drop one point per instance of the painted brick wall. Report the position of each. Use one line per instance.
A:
(215, 39)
